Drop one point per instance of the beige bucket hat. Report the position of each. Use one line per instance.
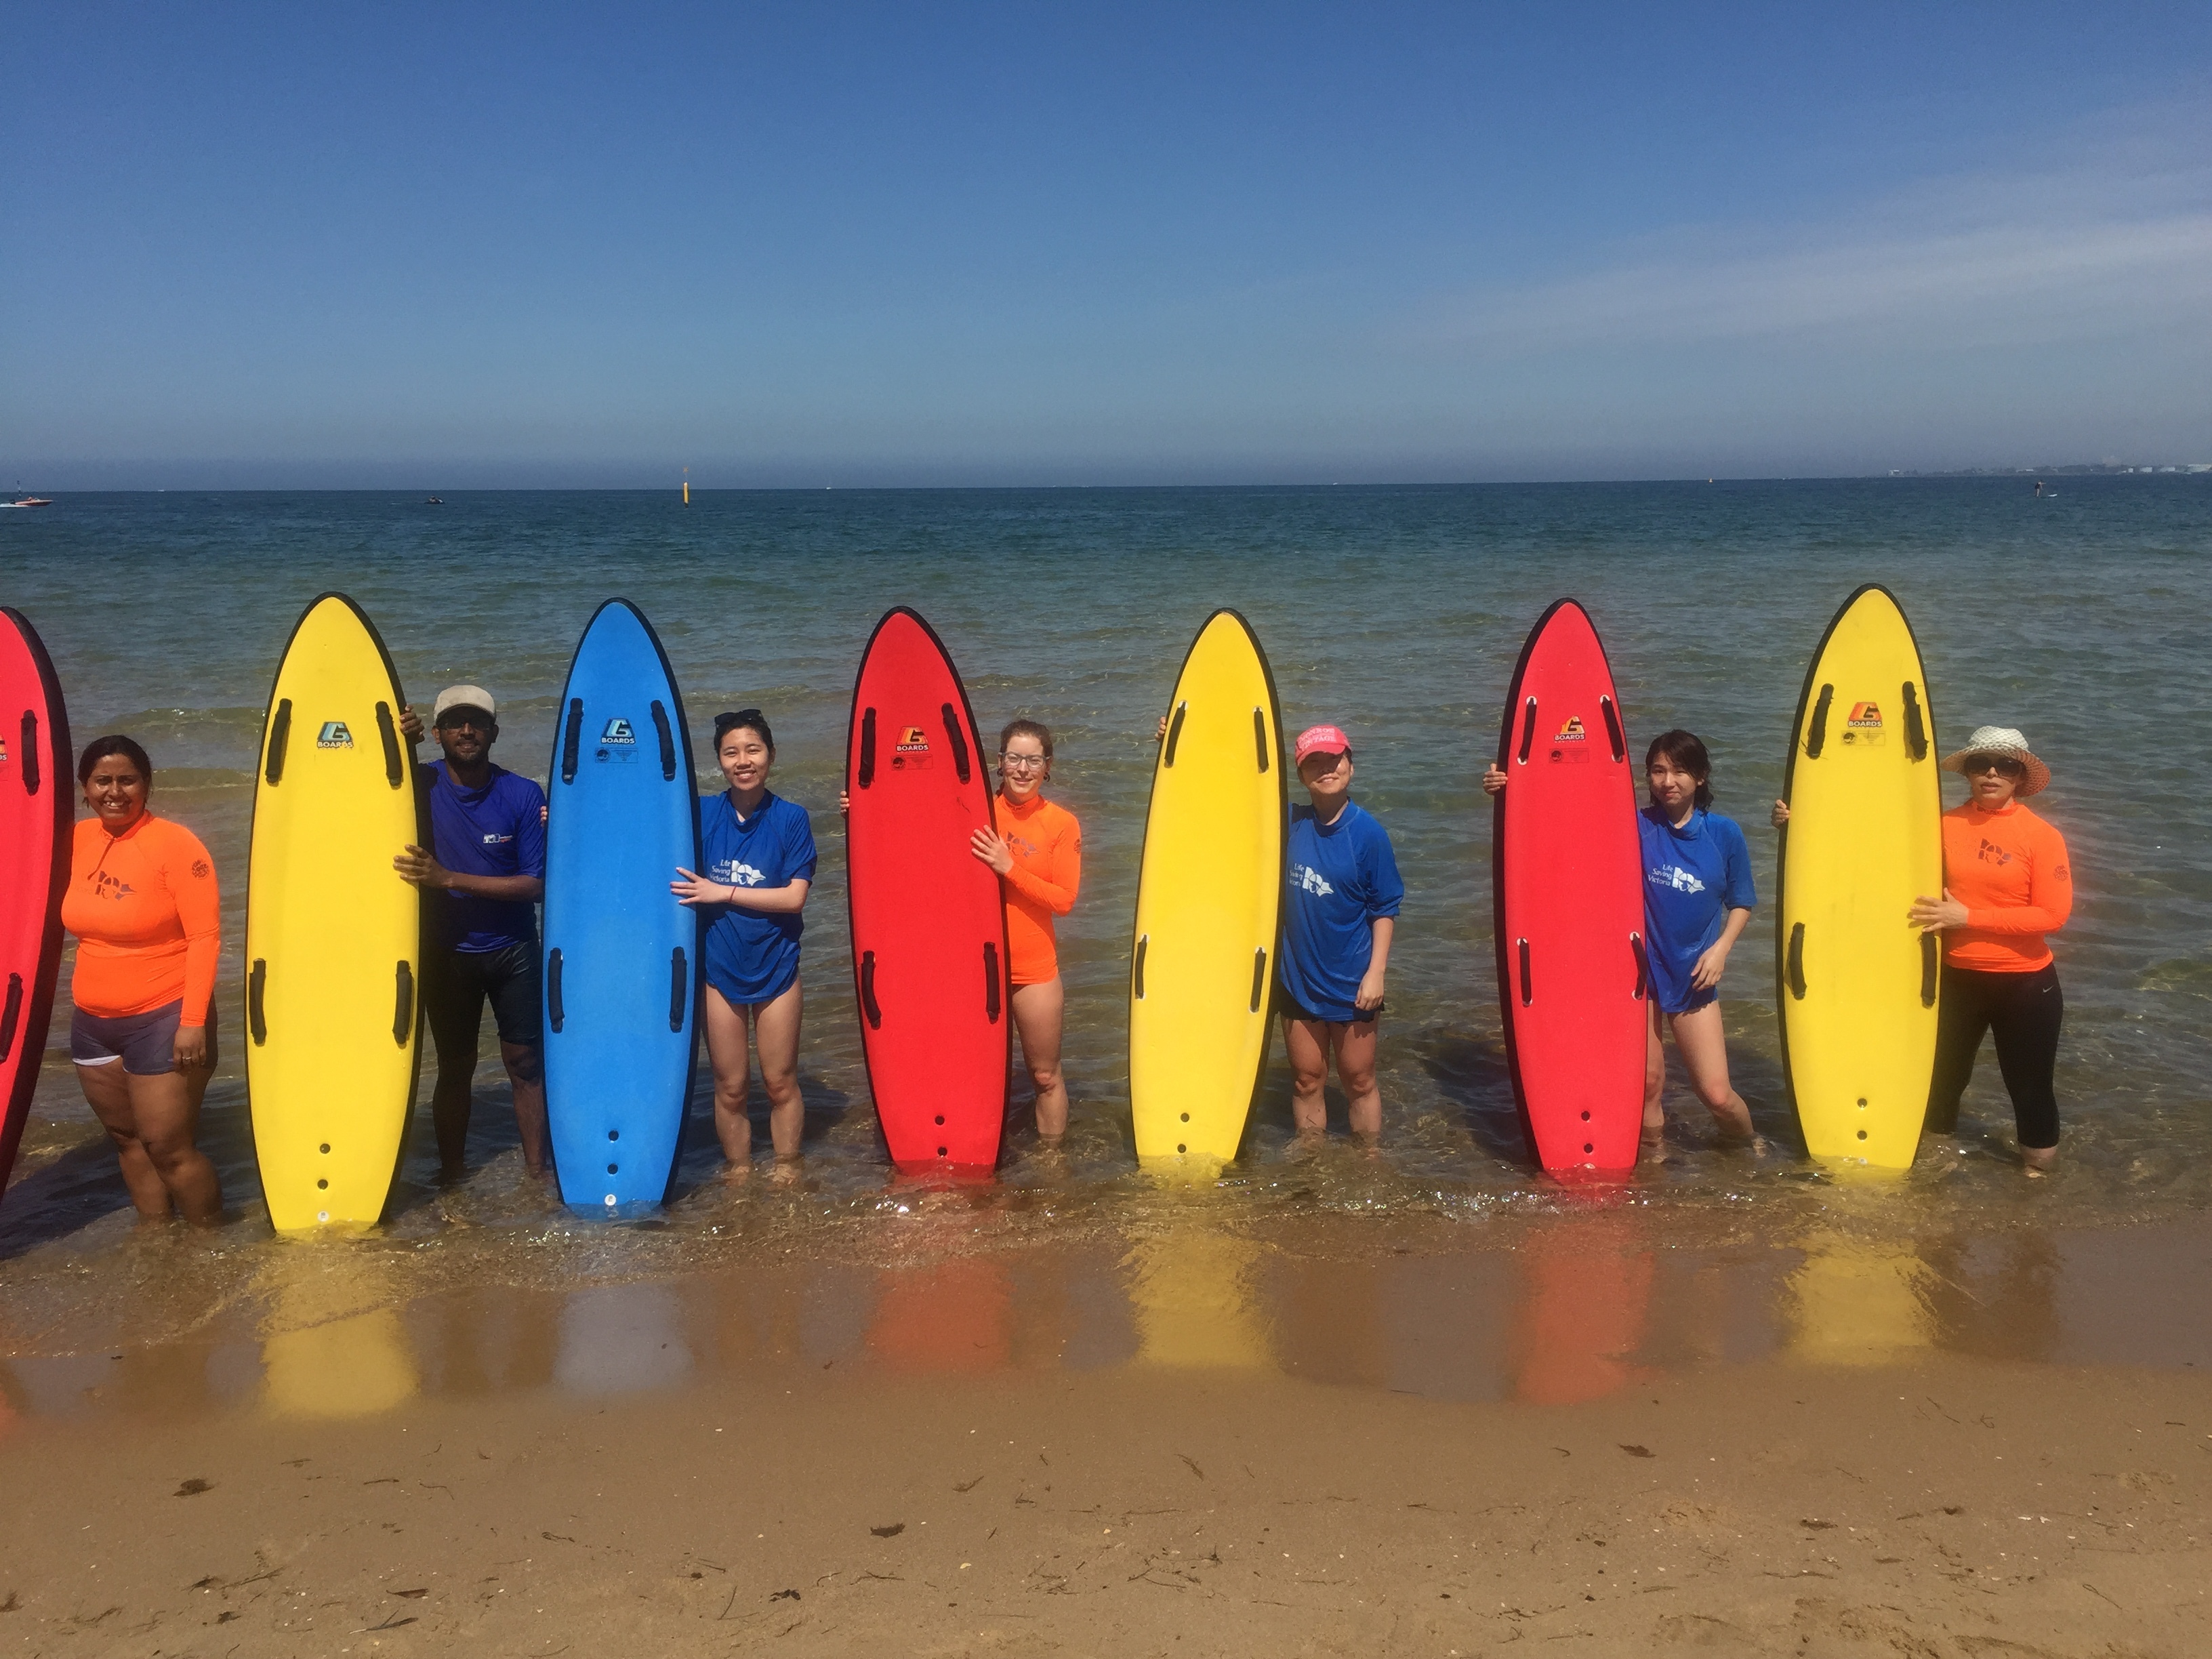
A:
(2002, 740)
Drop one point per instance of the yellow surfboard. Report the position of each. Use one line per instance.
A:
(1856, 981)
(333, 933)
(1209, 904)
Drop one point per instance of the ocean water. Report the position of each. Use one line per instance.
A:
(1396, 613)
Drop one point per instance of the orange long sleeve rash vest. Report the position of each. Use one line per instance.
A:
(2010, 870)
(1047, 847)
(147, 914)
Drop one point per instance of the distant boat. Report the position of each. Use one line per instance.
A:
(434, 501)
(27, 500)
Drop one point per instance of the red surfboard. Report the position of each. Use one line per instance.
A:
(38, 817)
(929, 925)
(1568, 882)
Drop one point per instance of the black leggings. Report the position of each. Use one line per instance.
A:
(2023, 1011)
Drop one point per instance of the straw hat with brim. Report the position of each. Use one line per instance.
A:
(2002, 740)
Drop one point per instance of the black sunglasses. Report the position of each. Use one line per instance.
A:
(2003, 765)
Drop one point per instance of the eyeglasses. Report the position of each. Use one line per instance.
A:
(2003, 765)
(1023, 763)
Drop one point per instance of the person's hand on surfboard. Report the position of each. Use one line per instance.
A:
(989, 846)
(1780, 816)
(411, 725)
(1938, 915)
(1493, 779)
(1161, 734)
(696, 889)
(417, 865)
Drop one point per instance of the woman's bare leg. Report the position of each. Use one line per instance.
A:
(1654, 1139)
(1040, 1012)
(1354, 1044)
(1307, 1040)
(1701, 1041)
(775, 1035)
(107, 1092)
(725, 1053)
(152, 1122)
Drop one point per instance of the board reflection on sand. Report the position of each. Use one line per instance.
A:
(333, 1343)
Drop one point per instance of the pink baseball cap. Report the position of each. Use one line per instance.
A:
(1321, 739)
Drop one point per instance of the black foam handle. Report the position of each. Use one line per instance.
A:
(1527, 729)
(572, 737)
(868, 774)
(1528, 985)
(403, 1005)
(395, 770)
(1260, 736)
(990, 981)
(1612, 731)
(556, 1011)
(1643, 965)
(1175, 734)
(679, 985)
(10, 1014)
(956, 737)
(1816, 736)
(1931, 954)
(1259, 977)
(1797, 963)
(257, 990)
(868, 1003)
(280, 737)
(667, 740)
(1916, 726)
(33, 766)
(1136, 974)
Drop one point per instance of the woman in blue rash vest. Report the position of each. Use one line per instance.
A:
(759, 851)
(1697, 898)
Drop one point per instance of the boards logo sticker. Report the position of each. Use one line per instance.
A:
(1572, 731)
(1864, 725)
(911, 751)
(334, 735)
(618, 731)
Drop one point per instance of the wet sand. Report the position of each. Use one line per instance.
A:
(1598, 1430)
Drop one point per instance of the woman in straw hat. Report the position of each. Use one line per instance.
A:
(2006, 884)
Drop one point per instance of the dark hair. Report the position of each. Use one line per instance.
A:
(745, 719)
(113, 743)
(1687, 751)
(1026, 728)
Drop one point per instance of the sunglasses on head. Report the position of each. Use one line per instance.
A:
(2003, 765)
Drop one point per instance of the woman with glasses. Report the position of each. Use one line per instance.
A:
(2006, 884)
(1036, 849)
(759, 851)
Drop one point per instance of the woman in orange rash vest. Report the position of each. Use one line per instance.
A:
(2006, 882)
(1036, 849)
(143, 904)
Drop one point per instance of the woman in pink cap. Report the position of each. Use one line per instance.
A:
(1340, 913)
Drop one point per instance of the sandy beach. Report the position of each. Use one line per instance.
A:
(1408, 1446)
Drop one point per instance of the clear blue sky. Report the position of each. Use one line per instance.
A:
(450, 244)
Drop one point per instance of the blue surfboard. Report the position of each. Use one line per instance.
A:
(622, 955)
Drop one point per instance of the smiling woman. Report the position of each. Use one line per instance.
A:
(143, 904)
(2006, 882)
